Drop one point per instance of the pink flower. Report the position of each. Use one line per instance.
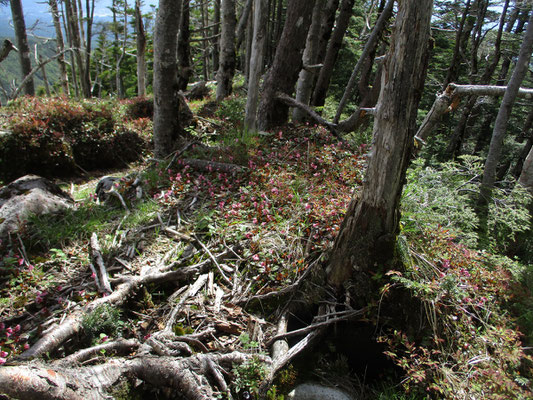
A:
(26, 346)
(307, 206)
(17, 328)
(4, 354)
(255, 257)
(2, 361)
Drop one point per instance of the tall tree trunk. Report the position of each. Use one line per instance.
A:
(369, 48)
(283, 73)
(334, 45)
(471, 108)
(141, 50)
(248, 52)
(205, 50)
(243, 23)
(305, 79)
(216, 39)
(184, 47)
(500, 126)
(327, 21)
(89, 4)
(22, 44)
(526, 176)
(461, 41)
(60, 46)
(74, 31)
(368, 232)
(165, 86)
(118, 73)
(226, 68)
(73, 70)
(527, 133)
(256, 63)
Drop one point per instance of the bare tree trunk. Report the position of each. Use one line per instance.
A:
(243, 23)
(89, 4)
(184, 47)
(165, 86)
(226, 68)
(141, 50)
(500, 126)
(74, 32)
(256, 63)
(368, 233)
(526, 176)
(305, 80)
(327, 21)
(461, 41)
(527, 133)
(369, 47)
(216, 40)
(60, 46)
(334, 45)
(248, 52)
(22, 44)
(283, 74)
(118, 74)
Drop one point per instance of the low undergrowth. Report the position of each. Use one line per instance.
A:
(61, 137)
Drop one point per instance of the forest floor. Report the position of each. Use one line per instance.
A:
(211, 255)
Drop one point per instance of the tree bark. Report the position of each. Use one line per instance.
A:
(74, 30)
(283, 74)
(184, 47)
(526, 176)
(7, 47)
(22, 44)
(369, 46)
(500, 126)
(140, 39)
(165, 85)
(306, 77)
(89, 4)
(243, 23)
(527, 133)
(226, 68)
(334, 45)
(60, 46)
(368, 232)
(256, 63)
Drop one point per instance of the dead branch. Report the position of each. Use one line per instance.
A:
(122, 346)
(188, 376)
(7, 47)
(98, 259)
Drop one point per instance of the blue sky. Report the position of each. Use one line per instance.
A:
(38, 8)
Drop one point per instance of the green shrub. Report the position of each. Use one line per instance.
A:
(100, 323)
(52, 136)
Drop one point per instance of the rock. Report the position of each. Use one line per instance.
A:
(197, 91)
(26, 196)
(314, 391)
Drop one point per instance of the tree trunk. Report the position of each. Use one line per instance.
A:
(120, 58)
(256, 63)
(74, 30)
(527, 133)
(334, 45)
(89, 4)
(526, 176)
(60, 46)
(368, 233)
(165, 86)
(22, 44)
(226, 68)
(500, 126)
(243, 23)
(306, 77)
(461, 41)
(327, 21)
(368, 49)
(141, 50)
(283, 74)
(248, 52)
(216, 32)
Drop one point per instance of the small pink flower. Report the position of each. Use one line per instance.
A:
(307, 206)
(17, 328)
(93, 275)
(255, 257)
(2, 361)
(4, 354)
(26, 346)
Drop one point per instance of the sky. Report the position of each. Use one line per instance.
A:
(34, 9)
(38, 10)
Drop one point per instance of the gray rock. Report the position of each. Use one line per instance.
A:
(26, 196)
(314, 391)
